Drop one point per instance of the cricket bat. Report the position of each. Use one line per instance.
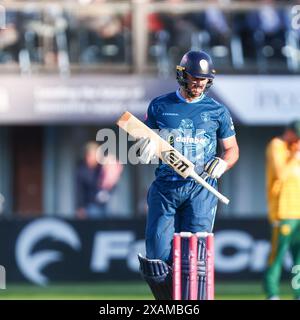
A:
(169, 155)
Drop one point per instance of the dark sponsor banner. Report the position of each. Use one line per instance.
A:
(49, 249)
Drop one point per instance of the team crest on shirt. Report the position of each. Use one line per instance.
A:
(205, 116)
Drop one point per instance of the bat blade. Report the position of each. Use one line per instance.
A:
(169, 155)
(137, 129)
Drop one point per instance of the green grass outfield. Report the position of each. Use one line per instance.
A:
(128, 291)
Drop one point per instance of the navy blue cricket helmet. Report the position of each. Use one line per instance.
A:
(197, 64)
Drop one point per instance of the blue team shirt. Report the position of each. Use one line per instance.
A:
(193, 128)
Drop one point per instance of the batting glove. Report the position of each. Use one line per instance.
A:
(215, 167)
(146, 150)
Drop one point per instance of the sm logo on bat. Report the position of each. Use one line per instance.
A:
(171, 158)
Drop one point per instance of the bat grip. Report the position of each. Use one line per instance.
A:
(206, 185)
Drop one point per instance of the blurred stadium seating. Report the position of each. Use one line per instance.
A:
(146, 36)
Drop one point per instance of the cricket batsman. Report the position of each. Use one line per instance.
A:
(194, 124)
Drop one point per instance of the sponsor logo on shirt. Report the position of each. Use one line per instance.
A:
(170, 114)
(190, 140)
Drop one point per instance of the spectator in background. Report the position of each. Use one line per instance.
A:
(261, 31)
(102, 38)
(10, 38)
(268, 25)
(283, 185)
(213, 21)
(97, 177)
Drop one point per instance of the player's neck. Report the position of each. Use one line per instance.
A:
(187, 97)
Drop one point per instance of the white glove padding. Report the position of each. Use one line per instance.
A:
(215, 167)
(146, 148)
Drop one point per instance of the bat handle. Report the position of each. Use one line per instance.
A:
(206, 185)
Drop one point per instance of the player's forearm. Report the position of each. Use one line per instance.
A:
(231, 156)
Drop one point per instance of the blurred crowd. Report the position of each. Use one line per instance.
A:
(258, 37)
(55, 36)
